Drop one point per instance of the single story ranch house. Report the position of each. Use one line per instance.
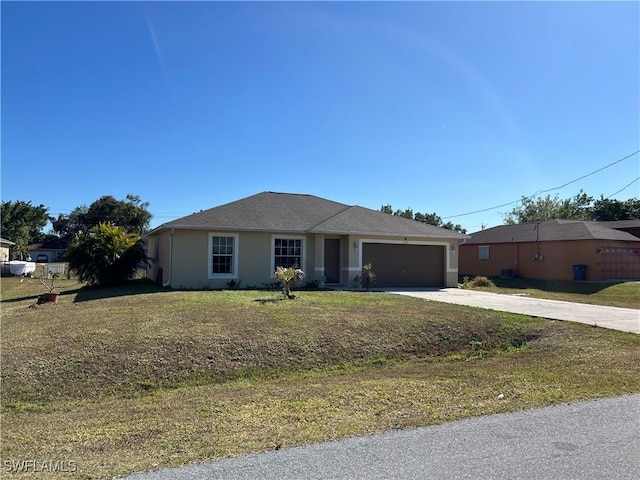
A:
(555, 250)
(244, 241)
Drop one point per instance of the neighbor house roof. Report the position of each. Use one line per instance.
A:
(552, 230)
(288, 212)
(6, 242)
(618, 224)
(49, 244)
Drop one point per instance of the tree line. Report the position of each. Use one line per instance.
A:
(540, 209)
(104, 239)
(429, 218)
(23, 223)
(579, 207)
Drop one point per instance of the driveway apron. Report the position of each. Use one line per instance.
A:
(624, 319)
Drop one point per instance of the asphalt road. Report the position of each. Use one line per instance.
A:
(624, 319)
(597, 439)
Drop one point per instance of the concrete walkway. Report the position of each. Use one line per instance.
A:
(624, 319)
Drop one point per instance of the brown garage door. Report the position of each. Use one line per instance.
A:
(403, 265)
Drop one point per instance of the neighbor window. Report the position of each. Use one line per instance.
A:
(287, 252)
(223, 256)
(483, 253)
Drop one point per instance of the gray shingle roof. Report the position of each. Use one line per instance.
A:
(618, 224)
(360, 220)
(288, 212)
(552, 230)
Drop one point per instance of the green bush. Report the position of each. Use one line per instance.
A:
(107, 255)
(479, 281)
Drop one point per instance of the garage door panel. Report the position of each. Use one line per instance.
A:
(401, 265)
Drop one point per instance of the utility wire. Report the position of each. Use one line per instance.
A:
(623, 188)
(587, 175)
(539, 192)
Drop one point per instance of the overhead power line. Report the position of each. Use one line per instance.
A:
(623, 188)
(539, 192)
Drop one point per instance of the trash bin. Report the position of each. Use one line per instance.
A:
(579, 272)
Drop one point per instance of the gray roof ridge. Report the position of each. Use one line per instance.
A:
(556, 228)
(332, 217)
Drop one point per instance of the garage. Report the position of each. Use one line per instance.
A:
(402, 265)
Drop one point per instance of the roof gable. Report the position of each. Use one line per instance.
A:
(49, 244)
(287, 212)
(552, 230)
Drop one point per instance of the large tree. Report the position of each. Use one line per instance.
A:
(548, 208)
(106, 255)
(70, 226)
(607, 209)
(131, 214)
(430, 218)
(22, 223)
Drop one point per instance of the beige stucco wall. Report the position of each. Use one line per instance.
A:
(183, 257)
(4, 253)
(158, 251)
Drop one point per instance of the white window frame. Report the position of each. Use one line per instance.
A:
(234, 262)
(484, 252)
(303, 251)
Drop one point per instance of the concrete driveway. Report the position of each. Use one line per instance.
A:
(624, 319)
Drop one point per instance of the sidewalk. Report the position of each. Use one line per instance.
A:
(624, 319)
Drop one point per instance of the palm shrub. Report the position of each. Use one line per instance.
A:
(288, 276)
(368, 276)
(107, 255)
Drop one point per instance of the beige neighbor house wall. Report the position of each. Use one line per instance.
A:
(4, 253)
(554, 260)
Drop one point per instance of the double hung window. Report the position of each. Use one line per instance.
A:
(223, 256)
(287, 252)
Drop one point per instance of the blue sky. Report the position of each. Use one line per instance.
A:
(440, 107)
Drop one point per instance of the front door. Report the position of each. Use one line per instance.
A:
(332, 260)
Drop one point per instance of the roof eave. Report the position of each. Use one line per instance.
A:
(392, 234)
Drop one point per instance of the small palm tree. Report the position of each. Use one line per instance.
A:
(288, 276)
(368, 276)
(107, 255)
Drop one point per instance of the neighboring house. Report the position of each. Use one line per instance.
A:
(51, 250)
(550, 250)
(5, 246)
(246, 240)
(629, 226)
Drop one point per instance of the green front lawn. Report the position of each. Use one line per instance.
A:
(136, 378)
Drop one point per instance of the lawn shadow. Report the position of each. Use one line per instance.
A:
(20, 299)
(264, 301)
(134, 287)
(559, 286)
